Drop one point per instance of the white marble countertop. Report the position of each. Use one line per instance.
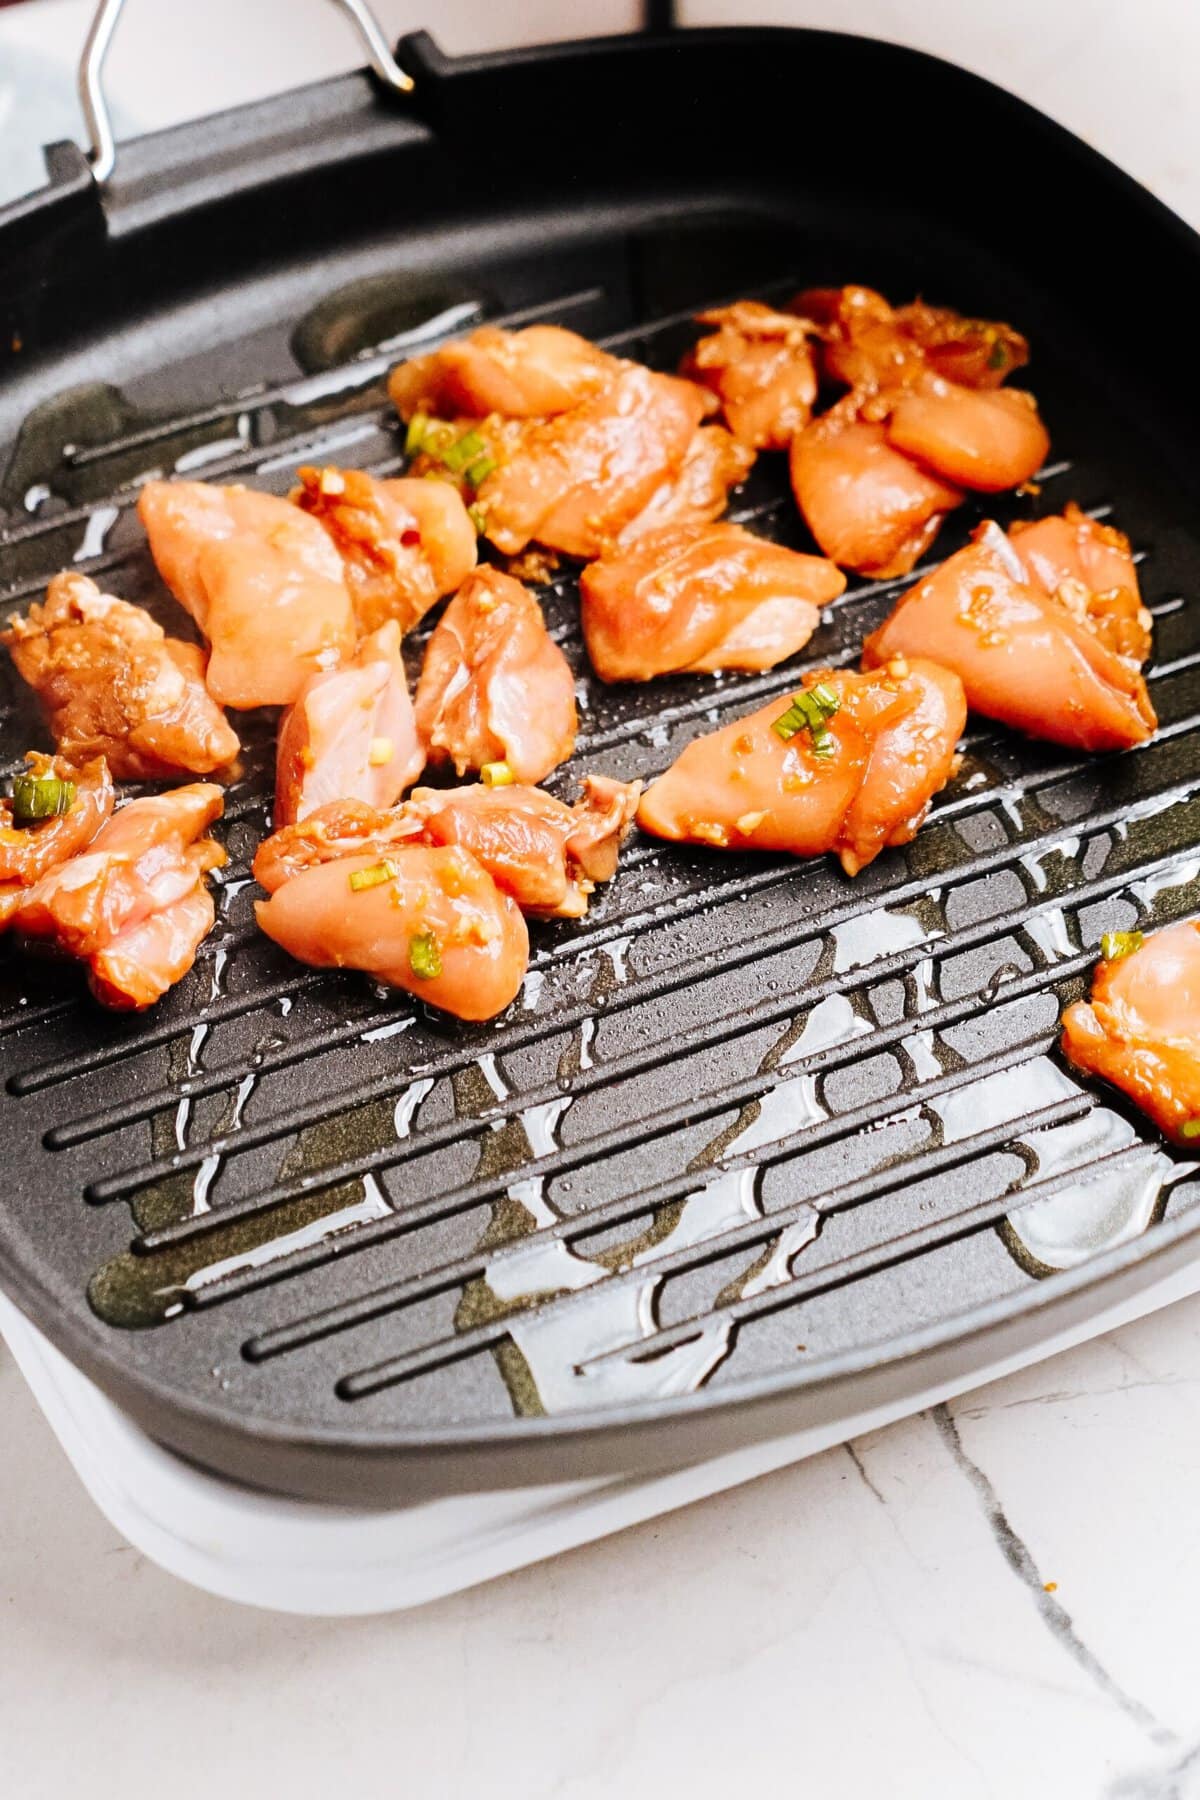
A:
(995, 1599)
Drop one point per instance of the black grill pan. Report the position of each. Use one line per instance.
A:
(763, 1136)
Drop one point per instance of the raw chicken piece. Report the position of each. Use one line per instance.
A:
(149, 855)
(526, 374)
(427, 919)
(495, 687)
(759, 364)
(1083, 560)
(1048, 663)
(699, 490)
(857, 780)
(868, 343)
(403, 543)
(695, 598)
(572, 482)
(146, 959)
(984, 439)
(1141, 1028)
(547, 855)
(262, 580)
(350, 735)
(113, 684)
(27, 852)
(870, 507)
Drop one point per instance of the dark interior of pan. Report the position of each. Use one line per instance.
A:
(757, 1145)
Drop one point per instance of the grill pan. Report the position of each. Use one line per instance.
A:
(776, 1145)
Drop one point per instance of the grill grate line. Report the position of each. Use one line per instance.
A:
(435, 1354)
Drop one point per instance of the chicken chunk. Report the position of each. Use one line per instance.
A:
(534, 373)
(112, 684)
(699, 490)
(1050, 662)
(133, 904)
(262, 580)
(850, 765)
(867, 343)
(495, 687)
(759, 363)
(547, 855)
(403, 544)
(350, 734)
(428, 919)
(694, 598)
(869, 506)
(984, 439)
(573, 482)
(1141, 1028)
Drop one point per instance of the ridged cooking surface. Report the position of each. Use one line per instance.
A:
(745, 1116)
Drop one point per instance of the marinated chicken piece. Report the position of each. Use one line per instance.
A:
(428, 919)
(350, 735)
(30, 850)
(867, 343)
(527, 374)
(146, 959)
(403, 544)
(574, 481)
(759, 363)
(495, 687)
(850, 765)
(870, 507)
(1141, 1028)
(694, 598)
(1090, 563)
(1049, 663)
(148, 855)
(262, 580)
(984, 439)
(547, 855)
(112, 684)
(699, 490)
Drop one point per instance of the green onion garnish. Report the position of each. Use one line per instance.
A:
(808, 712)
(1190, 1128)
(997, 355)
(1116, 944)
(465, 449)
(424, 955)
(39, 797)
(478, 471)
(496, 774)
(372, 877)
(478, 517)
(414, 437)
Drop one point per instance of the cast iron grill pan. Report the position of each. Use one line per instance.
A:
(756, 1143)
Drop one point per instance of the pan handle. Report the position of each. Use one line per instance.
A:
(102, 154)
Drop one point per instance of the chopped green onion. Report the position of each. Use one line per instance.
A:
(997, 355)
(425, 956)
(1116, 944)
(478, 517)
(808, 712)
(38, 797)
(497, 774)
(478, 471)
(414, 437)
(372, 877)
(1190, 1128)
(456, 456)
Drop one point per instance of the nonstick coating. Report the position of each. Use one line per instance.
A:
(264, 1216)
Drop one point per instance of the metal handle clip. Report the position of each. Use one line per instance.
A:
(102, 153)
